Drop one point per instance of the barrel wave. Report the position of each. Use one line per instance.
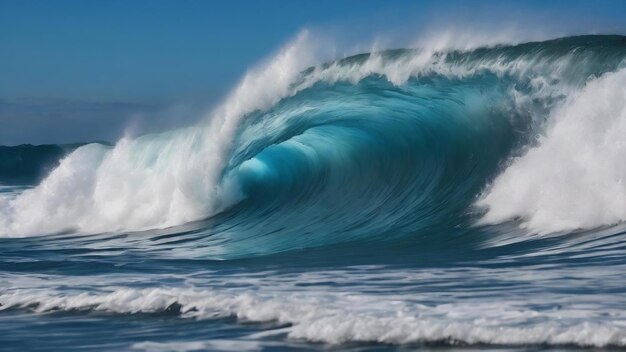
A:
(375, 146)
(408, 196)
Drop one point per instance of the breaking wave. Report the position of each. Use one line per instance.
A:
(375, 146)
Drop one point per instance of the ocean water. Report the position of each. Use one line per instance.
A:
(404, 199)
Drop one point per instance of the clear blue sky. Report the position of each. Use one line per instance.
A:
(154, 51)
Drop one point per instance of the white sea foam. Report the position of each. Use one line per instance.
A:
(153, 181)
(208, 345)
(574, 178)
(336, 318)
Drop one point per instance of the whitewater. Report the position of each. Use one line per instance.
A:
(441, 196)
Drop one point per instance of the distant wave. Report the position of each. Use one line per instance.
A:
(29, 164)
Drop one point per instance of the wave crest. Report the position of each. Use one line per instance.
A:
(379, 145)
(574, 178)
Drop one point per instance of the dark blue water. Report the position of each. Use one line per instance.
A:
(466, 200)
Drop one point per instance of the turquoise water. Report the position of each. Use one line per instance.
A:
(404, 199)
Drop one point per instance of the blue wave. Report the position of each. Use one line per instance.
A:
(369, 160)
(374, 161)
(419, 198)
